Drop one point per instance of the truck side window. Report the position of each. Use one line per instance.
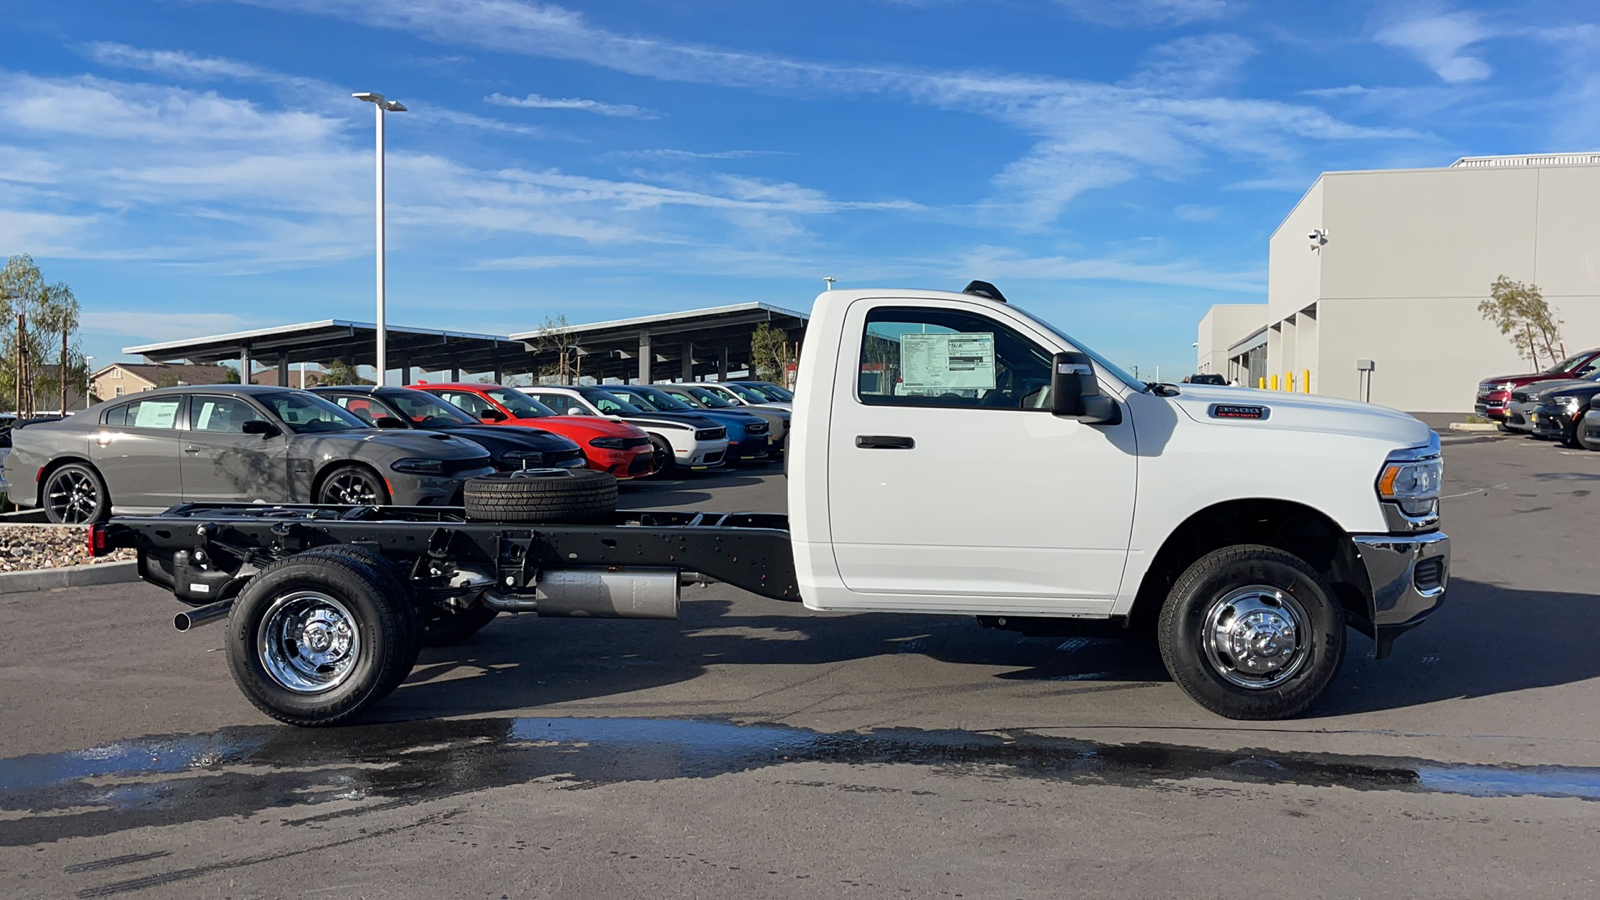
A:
(923, 356)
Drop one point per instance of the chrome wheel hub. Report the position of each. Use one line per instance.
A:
(1255, 636)
(309, 642)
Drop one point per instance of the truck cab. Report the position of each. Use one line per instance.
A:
(939, 466)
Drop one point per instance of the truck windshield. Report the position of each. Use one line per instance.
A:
(1099, 360)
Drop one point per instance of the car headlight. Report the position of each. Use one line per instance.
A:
(1412, 481)
(607, 443)
(1505, 386)
(419, 466)
(1570, 404)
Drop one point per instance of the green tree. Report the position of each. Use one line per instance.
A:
(771, 354)
(230, 377)
(166, 380)
(32, 363)
(341, 372)
(1522, 314)
(555, 337)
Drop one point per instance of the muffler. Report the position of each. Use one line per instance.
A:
(631, 593)
(200, 615)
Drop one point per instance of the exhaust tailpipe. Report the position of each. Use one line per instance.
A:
(200, 615)
(632, 593)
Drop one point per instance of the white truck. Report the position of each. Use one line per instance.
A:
(951, 455)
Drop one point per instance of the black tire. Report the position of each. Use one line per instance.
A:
(352, 485)
(272, 653)
(446, 628)
(75, 494)
(1504, 428)
(1580, 436)
(664, 460)
(1227, 586)
(540, 495)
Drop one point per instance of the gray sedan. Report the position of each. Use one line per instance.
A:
(229, 443)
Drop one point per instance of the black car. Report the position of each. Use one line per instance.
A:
(510, 448)
(1560, 407)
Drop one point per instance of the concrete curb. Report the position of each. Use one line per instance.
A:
(1474, 426)
(69, 577)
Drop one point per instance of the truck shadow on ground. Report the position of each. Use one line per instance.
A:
(522, 662)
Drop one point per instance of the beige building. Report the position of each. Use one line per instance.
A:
(1374, 279)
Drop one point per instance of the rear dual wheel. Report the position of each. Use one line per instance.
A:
(1252, 632)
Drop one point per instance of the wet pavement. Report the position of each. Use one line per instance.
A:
(752, 749)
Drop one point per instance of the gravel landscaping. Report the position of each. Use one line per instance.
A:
(24, 548)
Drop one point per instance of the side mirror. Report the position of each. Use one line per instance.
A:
(492, 415)
(575, 411)
(387, 422)
(259, 426)
(1075, 392)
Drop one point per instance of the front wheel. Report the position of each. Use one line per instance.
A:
(76, 495)
(665, 460)
(353, 486)
(1581, 435)
(1252, 632)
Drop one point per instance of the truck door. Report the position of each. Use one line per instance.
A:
(950, 484)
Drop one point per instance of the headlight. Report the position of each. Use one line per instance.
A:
(607, 443)
(1505, 386)
(419, 466)
(1570, 404)
(1412, 483)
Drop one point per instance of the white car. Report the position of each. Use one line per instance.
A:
(739, 395)
(682, 440)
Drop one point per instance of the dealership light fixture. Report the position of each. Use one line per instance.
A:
(381, 106)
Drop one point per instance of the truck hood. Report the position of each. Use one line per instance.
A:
(1303, 412)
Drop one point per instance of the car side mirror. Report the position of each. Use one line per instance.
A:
(492, 415)
(387, 422)
(575, 411)
(259, 426)
(1075, 392)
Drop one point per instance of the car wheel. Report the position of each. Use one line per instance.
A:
(664, 460)
(540, 495)
(1252, 632)
(353, 486)
(1504, 428)
(76, 495)
(315, 639)
(1582, 437)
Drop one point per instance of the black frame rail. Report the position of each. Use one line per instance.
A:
(747, 550)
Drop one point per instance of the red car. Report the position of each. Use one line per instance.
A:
(614, 447)
(1494, 394)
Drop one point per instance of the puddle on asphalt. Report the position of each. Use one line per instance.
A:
(238, 771)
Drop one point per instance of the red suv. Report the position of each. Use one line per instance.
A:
(614, 447)
(1494, 394)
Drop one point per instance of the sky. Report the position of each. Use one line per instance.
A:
(191, 167)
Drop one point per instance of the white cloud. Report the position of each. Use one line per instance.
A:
(684, 155)
(1190, 212)
(1146, 13)
(1089, 135)
(145, 326)
(1438, 38)
(534, 101)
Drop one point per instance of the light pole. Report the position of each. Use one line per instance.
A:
(381, 106)
(829, 280)
(88, 380)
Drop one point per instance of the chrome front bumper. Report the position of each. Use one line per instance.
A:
(1408, 574)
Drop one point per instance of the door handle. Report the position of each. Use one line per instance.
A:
(191, 449)
(884, 442)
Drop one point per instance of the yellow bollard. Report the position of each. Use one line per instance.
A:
(1305, 381)
(1274, 382)
(1288, 381)
(1262, 383)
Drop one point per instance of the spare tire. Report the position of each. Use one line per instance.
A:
(540, 495)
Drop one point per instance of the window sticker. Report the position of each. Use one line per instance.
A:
(206, 409)
(156, 414)
(932, 364)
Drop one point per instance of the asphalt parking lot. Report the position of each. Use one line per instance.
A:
(754, 749)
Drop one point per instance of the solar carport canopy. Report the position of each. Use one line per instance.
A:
(410, 349)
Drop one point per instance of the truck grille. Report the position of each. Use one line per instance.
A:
(711, 434)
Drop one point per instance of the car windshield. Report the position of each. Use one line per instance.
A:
(710, 399)
(307, 413)
(424, 410)
(610, 404)
(632, 395)
(662, 400)
(778, 394)
(521, 405)
(1566, 365)
(748, 395)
